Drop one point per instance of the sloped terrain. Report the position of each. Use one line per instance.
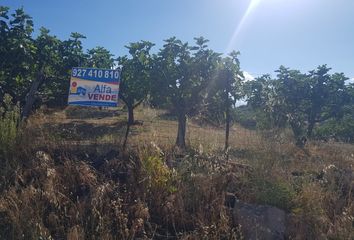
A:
(69, 178)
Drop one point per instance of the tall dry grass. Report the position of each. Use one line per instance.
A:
(63, 188)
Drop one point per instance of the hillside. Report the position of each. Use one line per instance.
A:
(69, 178)
(122, 120)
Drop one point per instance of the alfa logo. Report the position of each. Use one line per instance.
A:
(75, 90)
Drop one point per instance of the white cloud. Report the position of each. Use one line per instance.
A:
(349, 81)
(248, 76)
(240, 102)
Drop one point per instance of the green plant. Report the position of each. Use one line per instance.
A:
(340, 130)
(308, 218)
(273, 192)
(158, 174)
(9, 119)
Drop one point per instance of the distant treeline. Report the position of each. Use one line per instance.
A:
(186, 79)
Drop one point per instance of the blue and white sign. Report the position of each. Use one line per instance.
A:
(94, 87)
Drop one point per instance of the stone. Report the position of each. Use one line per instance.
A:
(260, 221)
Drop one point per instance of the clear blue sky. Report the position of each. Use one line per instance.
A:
(300, 34)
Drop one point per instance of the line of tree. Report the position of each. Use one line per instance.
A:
(303, 101)
(186, 79)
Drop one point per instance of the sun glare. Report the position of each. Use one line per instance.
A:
(253, 4)
(251, 7)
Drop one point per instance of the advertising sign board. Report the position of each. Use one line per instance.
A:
(94, 87)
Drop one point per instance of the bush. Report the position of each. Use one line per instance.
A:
(340, 130)
(245, 116)
(252, 118)
(157, 173)
(276, 193)
(9, 120)
(265, 191)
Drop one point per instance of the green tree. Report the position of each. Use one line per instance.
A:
(71, 55)
(326, 96)
(72, 51)
(47, 58)
(17, 51)
(183, 74)
(301, 100)
(284, 99)
(262, 97)
(227, 89)
(99, 57)
(292, 91)
(135, 76)
(29, 66)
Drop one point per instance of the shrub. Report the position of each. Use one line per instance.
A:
(276, 193)
(252, 118)
(245, 116)
(262, 190)
(158, 180)
(157, 172)
(308, 219)
(342, 130)
(9, 120)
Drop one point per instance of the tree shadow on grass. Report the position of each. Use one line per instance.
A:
(168, 116)
(81, 130)
(93, 153)
(241, 153)
(93, 113)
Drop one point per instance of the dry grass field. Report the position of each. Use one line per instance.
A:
(109, 126)
(72, 180)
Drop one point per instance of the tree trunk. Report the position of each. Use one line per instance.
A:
(126, 136)
(300, 140)
(310, 128)
(227, 127)
(31, 97)
(129, 123)
(130, 115)
(181, 134)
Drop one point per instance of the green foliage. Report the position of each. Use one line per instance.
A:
(187, 80)
(182, 75)
(136, 72)
(16, 53)
(55, 90)
(327, 94)
(275, 193)
(158, 174)
(291, 99)
(9, 120)
(252, 118)
(9, 131)
(135, 76)
(262, 96)
(224, 89)
(46, 71)
(301, 101)
(246, 116)
(99, 57)
(340, 130)
(42, 63)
